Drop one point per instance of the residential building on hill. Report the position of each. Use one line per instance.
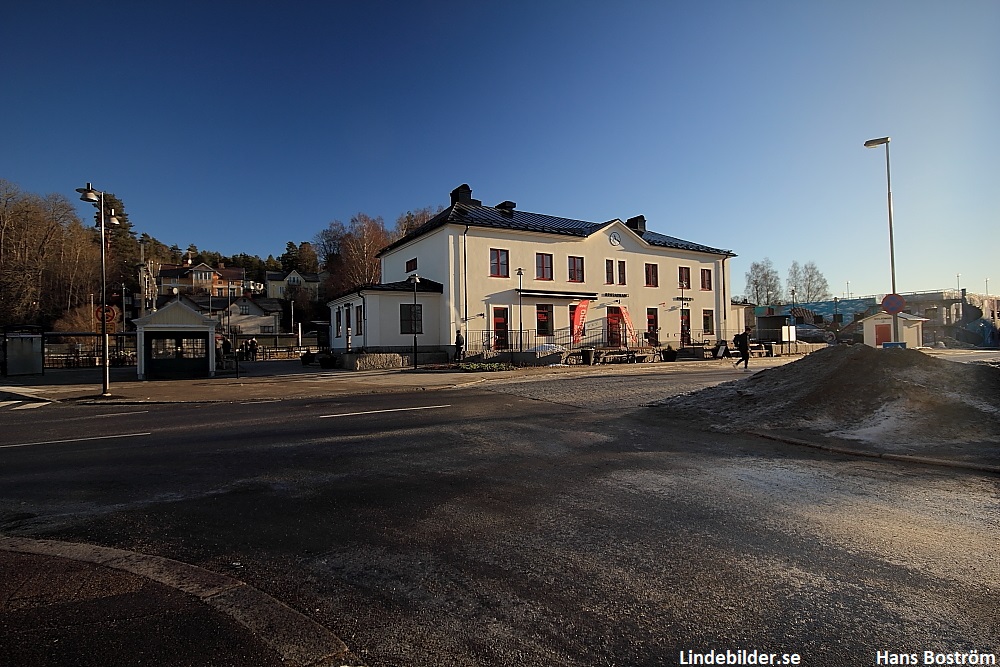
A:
(510, 279)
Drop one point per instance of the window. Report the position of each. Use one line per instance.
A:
(543, 266)
(621, 271)
(294, 280)
(499, 263)
(411, 318)
(244, 309)
(818, 319)
(706, 279)
(576, 269)
(347, 318)
(652, 275)
(543, 319)
(707, 322)
(411, 265)
(358, 321)
(684, 277)
(337, 321)
(652, 326)
(609, 271)
(267, 328)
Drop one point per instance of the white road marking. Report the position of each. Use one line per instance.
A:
(375, 412)
(4, 404)
(29, 406)
(62, 442)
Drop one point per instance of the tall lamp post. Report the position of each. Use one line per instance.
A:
(415, 279)
(95, 197)
(873, 143)
(520, 324)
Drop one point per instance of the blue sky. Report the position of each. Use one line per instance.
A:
(240, 126)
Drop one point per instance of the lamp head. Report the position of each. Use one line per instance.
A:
(415, 279)
(88, 194)
(872, 143)
(111, 217)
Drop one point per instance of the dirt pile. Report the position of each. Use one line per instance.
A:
(889, 397)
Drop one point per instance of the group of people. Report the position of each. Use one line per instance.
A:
(248, 349)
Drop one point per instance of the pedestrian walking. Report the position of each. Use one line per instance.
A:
(459, 346)
(742, 343)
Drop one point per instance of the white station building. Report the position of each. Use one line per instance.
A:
(509, 279)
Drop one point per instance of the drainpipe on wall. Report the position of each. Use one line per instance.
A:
(725, 302)
(465, 281)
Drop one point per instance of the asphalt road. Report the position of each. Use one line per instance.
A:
(526, 522)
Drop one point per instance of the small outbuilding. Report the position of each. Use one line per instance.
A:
(878, 329)
(175, 342)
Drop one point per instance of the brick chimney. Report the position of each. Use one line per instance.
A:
(463, 195)
(638, 223)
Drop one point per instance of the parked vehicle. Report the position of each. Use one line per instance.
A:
(810, 333)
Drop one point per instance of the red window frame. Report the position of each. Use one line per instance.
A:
(544, 313)
(684, 277)
(652, 272)
(575, 269)
(543, 266)
(499, 263)
(411, 265)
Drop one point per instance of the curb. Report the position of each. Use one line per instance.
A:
(907, 458)
(300, 641)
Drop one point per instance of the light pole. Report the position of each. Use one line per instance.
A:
(415, 279)
(872, 143)
(95, 197)
(520, 325)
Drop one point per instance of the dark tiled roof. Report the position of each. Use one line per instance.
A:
(652, 238)
(425, 285)
(495, 218)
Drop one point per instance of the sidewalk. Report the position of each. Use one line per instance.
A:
(261, 380)
(76, 604)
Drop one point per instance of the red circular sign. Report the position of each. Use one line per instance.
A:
(893, 304)
(106, 313)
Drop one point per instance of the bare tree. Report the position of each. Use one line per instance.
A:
(813, 285)
(763, 286)
(365, 237)
(411, 220)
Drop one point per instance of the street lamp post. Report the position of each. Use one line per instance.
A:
(95, 197)
(520, 324)
(872, 143)
(415, 279)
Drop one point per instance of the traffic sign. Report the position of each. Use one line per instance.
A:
(893, 304)
(106, 313)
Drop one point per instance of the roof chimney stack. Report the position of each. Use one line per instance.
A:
(463, 195)
(638, 223)
(506, 207)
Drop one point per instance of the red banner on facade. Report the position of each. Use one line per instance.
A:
(579, 319)
(629, 329)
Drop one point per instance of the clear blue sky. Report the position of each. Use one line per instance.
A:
(240, 126)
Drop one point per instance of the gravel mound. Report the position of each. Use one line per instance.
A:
(889, 397)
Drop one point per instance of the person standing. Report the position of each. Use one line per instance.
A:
(459, 346)
(253, 349)
(742, 343)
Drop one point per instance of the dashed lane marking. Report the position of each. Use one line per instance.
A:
(375, 412)
(72, 440)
